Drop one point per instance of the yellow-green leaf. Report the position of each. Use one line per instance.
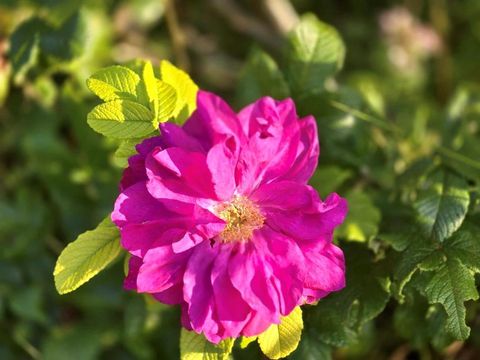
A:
(150, 83)
(167, 100)
(184, 86)
(194, 346)
(114, 82)
(281, 340)
(247, 340)
(85, 257)
(125, 150)
(121, 119)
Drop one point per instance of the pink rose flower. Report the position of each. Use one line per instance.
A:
(218, 218)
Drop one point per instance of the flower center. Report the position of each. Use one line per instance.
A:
(242, 217)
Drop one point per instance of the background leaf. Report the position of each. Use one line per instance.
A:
(24, 48)
(339, 317)
(451, 286)
(315, 52)
(443, 206)
(261, 77)
(363, 218)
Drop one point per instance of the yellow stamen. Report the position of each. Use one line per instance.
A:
(242, 217)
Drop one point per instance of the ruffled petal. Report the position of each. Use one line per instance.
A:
(140, 238)
(171, 296)
(221, 163)
(306, 159)
(250, 275)
(198, 292)
(287, 264)
(130, 282)
(179, 174)
(175, 136)
(303, 215)
(286, 196)
(213, 121)
(273, 141)
(326, 273)
(234, 313)
(136, 205)
(162, 268)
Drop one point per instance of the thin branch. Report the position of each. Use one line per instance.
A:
(244, 23)
(179, 39)
(282, 14)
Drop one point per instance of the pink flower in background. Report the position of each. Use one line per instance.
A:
(408, 40)
(218, 218)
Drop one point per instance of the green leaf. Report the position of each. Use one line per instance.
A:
(136, 101)
(315, 52)
(442, 207)
(280, 340)
(185, 88)
(34, 37)
(68, 41)
(27, 304)
(85, 257)
(260, 77)
(339, 317)
(74, 342)
(451, 286)
(311, 348)
(363, 218)
(418, 321)
(121, 119)
(194, 346)
(328, 179)
(464, 245)
(125, 150)
(451, 268)
(114, 82)
(24, 46)
(410, 261)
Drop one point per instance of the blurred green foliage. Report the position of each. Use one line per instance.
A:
(399, 131)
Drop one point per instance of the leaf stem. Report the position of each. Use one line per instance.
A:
(364, 116)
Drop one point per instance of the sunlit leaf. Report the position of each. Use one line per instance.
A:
(114, 82)
(280, 340)
(167, 101)
(121, 119)
(194, 346)
(150, 84)
(184, 86)
(85, 257)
